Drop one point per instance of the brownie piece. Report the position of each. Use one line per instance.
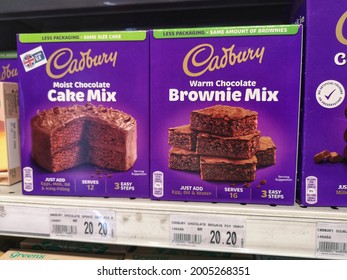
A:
(64, 137)
(223, 169)
(321, 156)
(184, 160)
(335, 157)
(241, 147)
(266, 155)
(224, 120)
(182, 137)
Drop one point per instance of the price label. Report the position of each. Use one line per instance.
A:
(331, 240)
(82, 224)
(23, 220)
(207, 231)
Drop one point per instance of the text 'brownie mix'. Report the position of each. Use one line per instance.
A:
(85, 113)
(323, 173)
(224, 113)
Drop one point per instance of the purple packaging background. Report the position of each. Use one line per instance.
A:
(13, 65)
(280, 70)
(129, 78)
(323, 128)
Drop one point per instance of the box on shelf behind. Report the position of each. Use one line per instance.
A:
(323, 172)
(8, 67)
(85, 113)
(10, 171)
(224, 113)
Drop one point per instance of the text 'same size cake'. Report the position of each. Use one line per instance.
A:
(323, 154)
(84, 107)
(64, 137)
(212, 103)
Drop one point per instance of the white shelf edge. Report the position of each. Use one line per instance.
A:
(281, 230)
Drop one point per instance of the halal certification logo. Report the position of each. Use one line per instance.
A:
(330, 94)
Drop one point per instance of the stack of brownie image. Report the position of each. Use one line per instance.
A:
(221, 143)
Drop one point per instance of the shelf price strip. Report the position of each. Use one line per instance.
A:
(331, 240)
(207, 232)
(24, 220)
(82, 224)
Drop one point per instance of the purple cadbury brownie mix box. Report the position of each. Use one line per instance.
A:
(323, 174)
(224, 113)
(8, 67)
(84, 110)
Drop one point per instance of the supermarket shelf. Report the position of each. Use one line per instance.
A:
(280, 230)
(95, 15)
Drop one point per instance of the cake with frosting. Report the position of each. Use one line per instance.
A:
(65, 137)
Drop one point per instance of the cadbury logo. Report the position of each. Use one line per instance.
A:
(194, 68)
(8, 73)
(339, 29)
(340, 58)
(63, 62)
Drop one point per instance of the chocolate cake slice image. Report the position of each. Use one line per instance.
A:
(65, 137)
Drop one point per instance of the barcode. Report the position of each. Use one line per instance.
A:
(332, 247)
(64, 229)
(187, 238)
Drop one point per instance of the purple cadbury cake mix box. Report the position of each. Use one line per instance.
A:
(8, 67)
(84, 110)
(224, 113)
(323, 174)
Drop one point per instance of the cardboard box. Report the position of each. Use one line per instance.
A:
(323, 180)
(224, 113)
(10, 171)
(85, 113)
(8, 67)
